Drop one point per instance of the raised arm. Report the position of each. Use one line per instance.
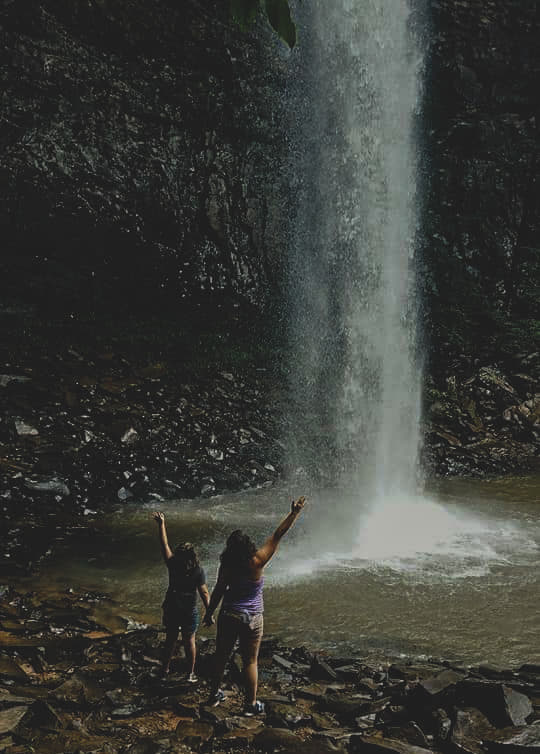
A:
(163, 541)
(217, 595)
(265, 552)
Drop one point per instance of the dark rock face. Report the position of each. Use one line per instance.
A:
(137, 143)
(484, 420)
(483, 208)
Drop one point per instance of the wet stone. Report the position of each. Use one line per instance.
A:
(314, 691)
(502, 705)
(525, 740)
(240, 738)
(345, 707)
(7, 699)
(410, 733)
(440, 683)
(187, 710)
(11, 718)
(469, 730)
(286, 715)
(283, 663)
(194, 733)
(78, 692)
(347, 672)
(374, 745)
(280, 739)
(11, 669)
(321, 671)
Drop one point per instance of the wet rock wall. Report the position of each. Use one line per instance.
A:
(140, 153)
(482, 212)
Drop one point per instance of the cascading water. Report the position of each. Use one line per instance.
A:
(354, 364)
(353, 309)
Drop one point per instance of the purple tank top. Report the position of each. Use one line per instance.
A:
(245, 594)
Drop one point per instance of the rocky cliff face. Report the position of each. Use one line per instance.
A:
(140, 153)
(143, 157)
(483, 209)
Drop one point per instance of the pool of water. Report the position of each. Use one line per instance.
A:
(452, 573)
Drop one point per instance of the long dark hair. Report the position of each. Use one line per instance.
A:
(184, 561)
(238, 551)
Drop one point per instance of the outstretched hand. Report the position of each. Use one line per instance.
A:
(297, 505)
(159, 517)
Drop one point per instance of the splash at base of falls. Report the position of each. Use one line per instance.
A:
(416, 537)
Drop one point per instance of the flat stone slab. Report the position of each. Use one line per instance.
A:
(380, 745)
(270, 739)
(11, 718)
(524, 740)
(440, 682)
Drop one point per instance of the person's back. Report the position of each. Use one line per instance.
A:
(240, 584)
(186, 579)
(244, 592)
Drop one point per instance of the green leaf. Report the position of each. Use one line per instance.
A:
(244, 12)
(279, 15)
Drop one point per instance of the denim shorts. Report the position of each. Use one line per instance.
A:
(177, 618)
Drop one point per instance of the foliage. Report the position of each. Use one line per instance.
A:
(278, 12)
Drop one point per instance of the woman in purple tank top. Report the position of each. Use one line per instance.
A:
(240, 586)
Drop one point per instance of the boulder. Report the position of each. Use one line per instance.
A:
(469, 730)
(523, 740)
(286, 715)
(345, 707)
(411, 733)
(16, 720)
(502, 705)
(11, 718)
(240, 738)
(280, 739)
(435, 686)
(194, 733)
(321, 671)
(315, 692)
(78, 692)
(283, 663)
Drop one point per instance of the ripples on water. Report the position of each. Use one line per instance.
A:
(454, 574)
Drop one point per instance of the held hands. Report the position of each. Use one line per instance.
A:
(158, 517)
(297, 505)
(208, 620)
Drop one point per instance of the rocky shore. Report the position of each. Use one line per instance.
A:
(78, 676)
(87, 424)
(483, 419)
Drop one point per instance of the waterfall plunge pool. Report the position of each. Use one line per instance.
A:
(453, 574)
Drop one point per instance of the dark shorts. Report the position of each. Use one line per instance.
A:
(175, 618)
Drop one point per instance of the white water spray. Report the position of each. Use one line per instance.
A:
(354, 308)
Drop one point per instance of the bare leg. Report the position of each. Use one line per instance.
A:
(250, 655)
(188, 642)
(168, 649)
(227, 633)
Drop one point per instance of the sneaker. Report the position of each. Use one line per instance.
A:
(216, 698)
(192, 678)
(254, 709)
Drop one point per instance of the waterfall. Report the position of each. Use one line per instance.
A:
(354, 366)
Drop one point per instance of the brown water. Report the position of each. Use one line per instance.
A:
(454, 574)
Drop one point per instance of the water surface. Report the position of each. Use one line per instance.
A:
(454, 574)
